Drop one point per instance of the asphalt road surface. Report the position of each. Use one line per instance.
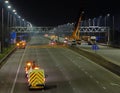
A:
(68, 72)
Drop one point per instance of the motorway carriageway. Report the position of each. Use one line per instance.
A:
(68, 71)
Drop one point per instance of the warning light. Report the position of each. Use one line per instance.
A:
(28, 64)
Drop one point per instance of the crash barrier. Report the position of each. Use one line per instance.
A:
(98, 60)
(6, 56)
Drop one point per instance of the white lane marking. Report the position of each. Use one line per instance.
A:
(91, 76)
(72, 60)
(13, 86)
(104, 88)
(114, 84)
(70, 82)
(79, 66)
(86, 72)
(97, 82)
(83, 69)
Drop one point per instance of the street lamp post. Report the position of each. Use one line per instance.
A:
(23, 22)
(11, 21)
(99, 21)
(99, 24)
(113, 28)
(7, 33)
(2, 34)
(89, 20)
(94, 19)
(108, 30)
(8, 24)
(20, 22)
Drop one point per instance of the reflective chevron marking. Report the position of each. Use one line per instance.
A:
(36, 77)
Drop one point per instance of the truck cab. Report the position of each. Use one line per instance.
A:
(21, 44)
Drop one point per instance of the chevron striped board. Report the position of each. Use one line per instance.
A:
(36, 78)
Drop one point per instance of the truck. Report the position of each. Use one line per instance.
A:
(21, 44)
(91, 40)
(35, 75)
(36, 79)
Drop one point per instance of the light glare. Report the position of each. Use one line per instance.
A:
(6, 1)
(14, 10)
(19, 16)
(9, 6)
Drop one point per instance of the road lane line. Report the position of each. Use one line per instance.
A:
(83, 69)
(114, 84)
(13, 86)
(62, 69)
(86, 72)
(97, 82)
(104, 88)
(91, 76)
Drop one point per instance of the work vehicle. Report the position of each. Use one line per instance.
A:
(35, 76)
(36, 79)
(91, 40)
(30, 64)
(75, 37)
(21, 44)
(52, 42)
(65, 40)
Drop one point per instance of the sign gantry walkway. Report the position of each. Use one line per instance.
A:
(83, 29)
(30, 29)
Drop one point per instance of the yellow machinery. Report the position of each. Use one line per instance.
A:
(75, 37)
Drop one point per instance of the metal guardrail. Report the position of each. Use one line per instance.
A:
(6, 56)
(98, 59)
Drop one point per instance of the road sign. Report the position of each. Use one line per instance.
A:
(13, 35)
(95, 47)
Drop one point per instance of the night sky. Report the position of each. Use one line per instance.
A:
(58, 12)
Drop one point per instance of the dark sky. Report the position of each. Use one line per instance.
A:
(58, 12)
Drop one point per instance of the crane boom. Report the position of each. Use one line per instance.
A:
(76, 32)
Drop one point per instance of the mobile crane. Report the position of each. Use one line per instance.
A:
(75, 37)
